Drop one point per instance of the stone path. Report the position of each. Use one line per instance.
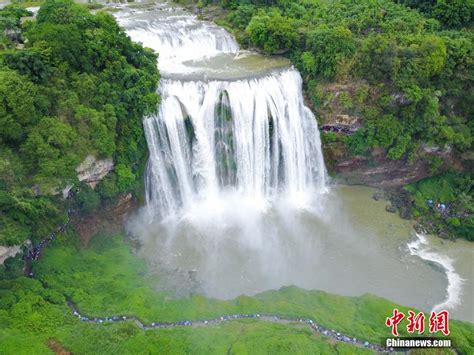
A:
(227, 318)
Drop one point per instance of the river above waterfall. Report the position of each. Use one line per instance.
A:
(190, 49)
(238, 200)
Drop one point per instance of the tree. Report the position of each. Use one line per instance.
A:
(87, 199)
(17, 106)
(328, 47)
(378, 59)
(79, 86)
(453, 13)
(34, 63)
(125, 177)
(272, 32)
(64, 12)
(49, 150)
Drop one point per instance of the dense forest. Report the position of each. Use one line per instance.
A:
(72, 84)
(409, 67)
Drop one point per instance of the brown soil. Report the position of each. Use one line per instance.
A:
(57, 348)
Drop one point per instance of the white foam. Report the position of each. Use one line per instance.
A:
(420, 247)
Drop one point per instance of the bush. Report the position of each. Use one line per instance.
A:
(125, 177)
(107, 187)
(14, 266)
(329, 137)
(87, 199)
(357, 143)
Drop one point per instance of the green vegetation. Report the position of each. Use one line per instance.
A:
(451, 13)
(72, 84)
(107, 279)
(27, 3)
(455, 192)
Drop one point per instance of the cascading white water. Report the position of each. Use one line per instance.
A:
(254, 135)
(178, 37)
(232, 147)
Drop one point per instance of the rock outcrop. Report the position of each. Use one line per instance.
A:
(6, 252)
(376, 169)
(92, 170)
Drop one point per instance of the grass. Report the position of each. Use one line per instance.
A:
(242, 337)
(453, 189)
(107, 279)
(438, 188)
(26, 4)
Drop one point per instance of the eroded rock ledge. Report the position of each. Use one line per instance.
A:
(92, 170)
(378, 171)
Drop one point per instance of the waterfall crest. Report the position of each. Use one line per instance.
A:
(254, 136)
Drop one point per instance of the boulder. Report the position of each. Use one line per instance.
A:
(390, 208)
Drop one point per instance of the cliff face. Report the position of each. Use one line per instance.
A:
(6, 252)
(11, 251)
(110, 218)
(378, 171)
(340, 109)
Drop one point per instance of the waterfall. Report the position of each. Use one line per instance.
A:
(236, 185)
(254, 136)
(251, 135)
(177, 37)
(234, 157)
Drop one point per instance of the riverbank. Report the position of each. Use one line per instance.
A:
(106, 279)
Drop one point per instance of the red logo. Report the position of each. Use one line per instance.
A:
(439, 322)
(394, 320)
(416, 322)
